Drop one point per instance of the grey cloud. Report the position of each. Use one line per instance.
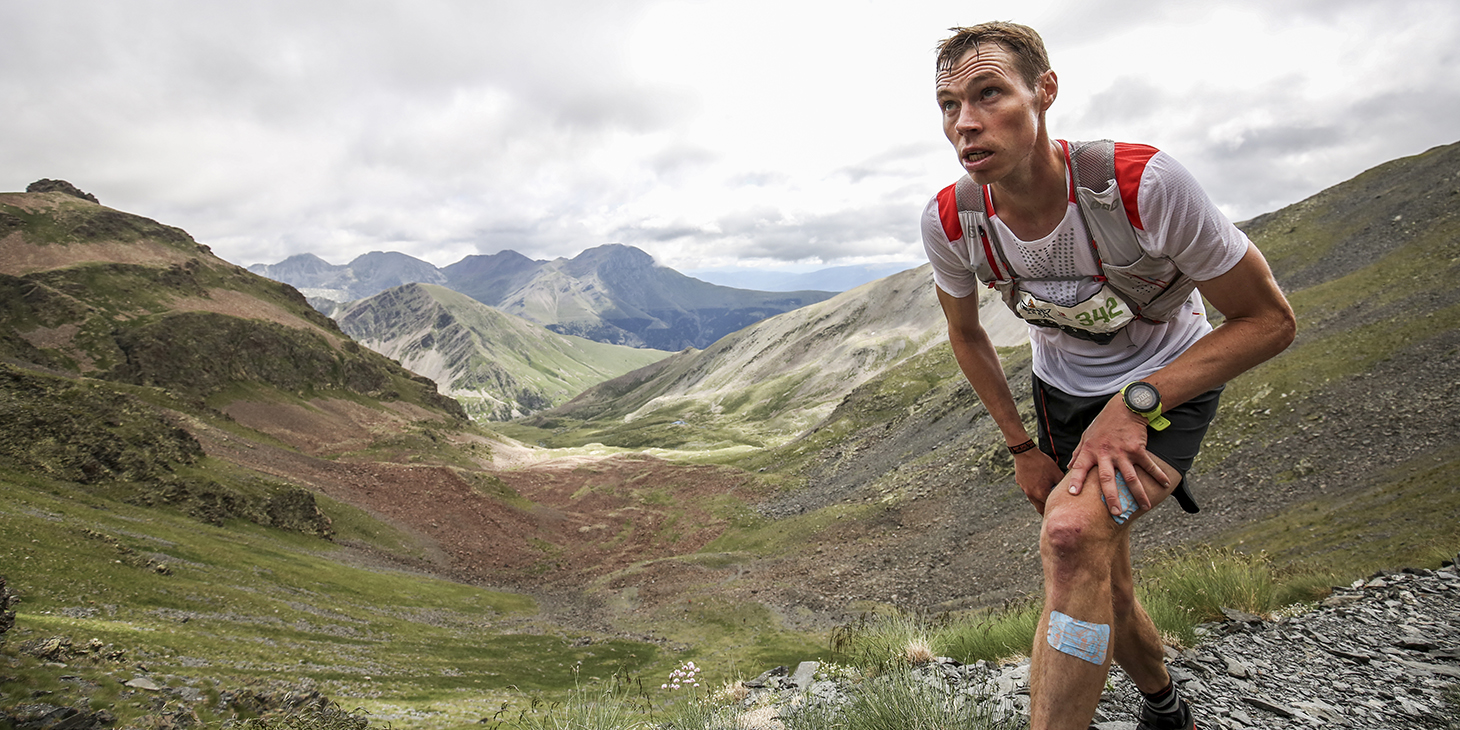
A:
(1127, 99)
(680, 158)
(901, 162)
(1282, 163)
(863, 231)
(758, 179)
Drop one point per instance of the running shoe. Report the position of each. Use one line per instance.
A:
(1180, 720)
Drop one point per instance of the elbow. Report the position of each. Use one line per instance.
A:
(967, 334)
(1284, 329)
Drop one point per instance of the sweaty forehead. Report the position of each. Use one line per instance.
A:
(990, 59)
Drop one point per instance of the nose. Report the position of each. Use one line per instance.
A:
(968, 121)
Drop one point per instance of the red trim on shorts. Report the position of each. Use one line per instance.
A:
(1048, 427)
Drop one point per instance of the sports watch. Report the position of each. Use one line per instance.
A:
(1145, 401)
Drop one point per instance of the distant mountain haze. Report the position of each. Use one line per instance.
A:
(613, 293)
(836, 278)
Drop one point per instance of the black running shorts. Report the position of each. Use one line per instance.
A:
(1063, 418)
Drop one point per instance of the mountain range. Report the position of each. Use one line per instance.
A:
(613, 293)
(497, 365)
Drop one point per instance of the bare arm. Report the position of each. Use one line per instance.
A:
(1034, 471)
(1258, 325)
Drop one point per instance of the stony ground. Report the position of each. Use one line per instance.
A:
(1384, 653)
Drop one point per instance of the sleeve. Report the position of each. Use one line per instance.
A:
(1183, 224)
(951, 270)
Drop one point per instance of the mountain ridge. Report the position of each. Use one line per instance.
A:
(610, 293)
(496, 365)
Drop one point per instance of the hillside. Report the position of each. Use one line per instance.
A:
(772, 380)
(213, 481)
(496, 365)
(118, 329)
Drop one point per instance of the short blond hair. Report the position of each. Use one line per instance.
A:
(1021, 41)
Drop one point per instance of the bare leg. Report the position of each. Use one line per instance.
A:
(1137, 643)
(1087, 576)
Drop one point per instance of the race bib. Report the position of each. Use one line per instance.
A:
(1104, 313)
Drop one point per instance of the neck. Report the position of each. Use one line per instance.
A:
(1032, 201)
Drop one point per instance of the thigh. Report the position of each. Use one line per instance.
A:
(1088, 509)
(1177, 444)
(1061, 419)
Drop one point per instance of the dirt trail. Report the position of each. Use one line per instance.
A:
(523, 521)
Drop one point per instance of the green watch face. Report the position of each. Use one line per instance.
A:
(1142, 397)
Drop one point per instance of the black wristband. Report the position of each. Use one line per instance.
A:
(1021, 448)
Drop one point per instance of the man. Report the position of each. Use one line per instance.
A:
(1127, 369)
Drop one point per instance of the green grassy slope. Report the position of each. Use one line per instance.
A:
(227, 607)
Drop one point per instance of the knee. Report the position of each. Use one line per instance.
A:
(1069, 534)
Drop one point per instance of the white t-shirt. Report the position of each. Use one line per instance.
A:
(1177, 221)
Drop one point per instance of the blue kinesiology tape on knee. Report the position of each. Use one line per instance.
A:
(1128, 504)
(1077, 638)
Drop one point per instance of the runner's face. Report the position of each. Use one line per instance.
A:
(992, 118)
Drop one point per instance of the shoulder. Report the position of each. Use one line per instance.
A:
(1152, 182)
(941, 214)
(1131, 163)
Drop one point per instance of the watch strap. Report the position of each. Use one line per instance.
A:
(1153, 417)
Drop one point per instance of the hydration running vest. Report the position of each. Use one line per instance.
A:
(1149, 287)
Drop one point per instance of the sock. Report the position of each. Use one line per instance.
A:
(1165, 702)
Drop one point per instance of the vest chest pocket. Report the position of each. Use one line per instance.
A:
(1153, 284)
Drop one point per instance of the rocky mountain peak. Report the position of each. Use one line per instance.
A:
(59, 186)
(613, 257)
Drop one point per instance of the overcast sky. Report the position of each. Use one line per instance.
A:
(710, 134)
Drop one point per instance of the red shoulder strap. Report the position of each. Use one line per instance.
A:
(948, 212)
(1130, 165)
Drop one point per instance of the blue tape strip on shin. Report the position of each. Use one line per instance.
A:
(1128, 504)
(1077, 638)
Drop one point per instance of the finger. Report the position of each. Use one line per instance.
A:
(1110, 489)
(1136, 486)
(1154, 469)
(1125, 500)
(1076, 476)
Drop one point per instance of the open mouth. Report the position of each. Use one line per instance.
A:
(975, 156)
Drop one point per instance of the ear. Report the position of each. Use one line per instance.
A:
(1048, 89)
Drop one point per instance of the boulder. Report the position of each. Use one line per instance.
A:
(59, 186)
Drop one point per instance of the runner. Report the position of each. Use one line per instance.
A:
(1099, 247)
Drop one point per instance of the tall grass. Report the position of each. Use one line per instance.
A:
(1180, 590)
(884, 641)
(320, 716)
(618, 703)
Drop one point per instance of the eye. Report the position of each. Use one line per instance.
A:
(948, 105)
(989, 92)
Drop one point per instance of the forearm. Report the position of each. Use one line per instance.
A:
(980, 364)
(1231, 349)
